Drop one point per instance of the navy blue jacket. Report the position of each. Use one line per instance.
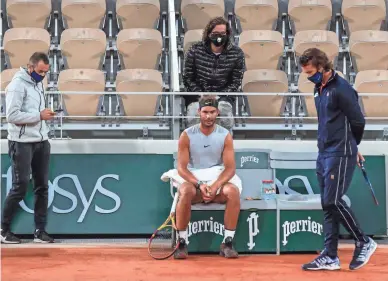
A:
(340, 119)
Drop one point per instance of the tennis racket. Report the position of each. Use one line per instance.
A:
(163, 243)
(368, 182)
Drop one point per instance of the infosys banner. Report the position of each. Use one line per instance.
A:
(123, 193)
(98, 194)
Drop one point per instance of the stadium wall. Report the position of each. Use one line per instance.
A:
(114, 186)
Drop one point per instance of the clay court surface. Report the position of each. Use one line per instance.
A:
(114, 263)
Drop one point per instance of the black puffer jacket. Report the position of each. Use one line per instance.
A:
(206, 72)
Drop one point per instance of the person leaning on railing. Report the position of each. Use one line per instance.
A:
(214, 64)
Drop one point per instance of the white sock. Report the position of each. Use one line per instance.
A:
(182, 234)
(228, 233)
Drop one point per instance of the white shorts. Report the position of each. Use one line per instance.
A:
(208, 176)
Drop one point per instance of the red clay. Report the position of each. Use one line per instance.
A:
(130, 264)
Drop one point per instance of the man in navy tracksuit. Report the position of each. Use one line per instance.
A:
(340, 129)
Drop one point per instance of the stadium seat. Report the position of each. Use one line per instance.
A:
(326, 41)
(369, 49)
(83, 47)
(307, 87)
(82, 80)
(191, 37)
(28, 13)
(137, 13)
(373, 81)
(139, 80)
(310, 15)
(83, 14)
(262, 48)
(257, 15)
(7, 75)
(139, 48)
(363, 15)
(21, 43)
(197, 13)
(265, 81)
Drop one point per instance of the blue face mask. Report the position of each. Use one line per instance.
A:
(316, 78)
(37, 77)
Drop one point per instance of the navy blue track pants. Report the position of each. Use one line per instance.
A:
(334, 177)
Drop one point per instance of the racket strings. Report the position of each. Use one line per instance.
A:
(162, 244)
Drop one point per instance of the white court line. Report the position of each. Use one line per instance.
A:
(121, 245)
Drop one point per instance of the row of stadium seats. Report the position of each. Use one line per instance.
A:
(84, 47)
(306, 15)
(264, 49)
(264, 42)
(83, 14)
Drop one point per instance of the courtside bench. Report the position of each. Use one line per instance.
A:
(289, 223)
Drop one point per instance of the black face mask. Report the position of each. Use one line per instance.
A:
(218, 40)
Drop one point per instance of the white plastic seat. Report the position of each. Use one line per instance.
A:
(257, 14)
(191, 37)
(83, 80)
(265, 81)
(327, 41)
(139, 80)
(262, 48)
(137, 13)
(83, 47)
(373, 81)
(83, 13)
(310, 14)
(28, 13)
(369, 48)
(197, 13)
(363, 14)
(139, 48)
(20, 43)
(6, 77)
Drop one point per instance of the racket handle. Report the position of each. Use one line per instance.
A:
(174, 203)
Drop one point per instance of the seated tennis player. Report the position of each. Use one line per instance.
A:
(207, 166)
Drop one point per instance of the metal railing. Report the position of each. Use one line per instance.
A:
(171, 111)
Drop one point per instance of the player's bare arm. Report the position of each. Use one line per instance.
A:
(183, 159)
(229, 163)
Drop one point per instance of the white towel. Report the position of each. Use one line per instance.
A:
(208, 176)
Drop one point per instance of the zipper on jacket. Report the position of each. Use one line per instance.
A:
(40, 104)
(22, 131)
(215, 66)
(40, 99)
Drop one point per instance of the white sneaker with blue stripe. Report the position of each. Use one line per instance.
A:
(362, 254)
(323, 262)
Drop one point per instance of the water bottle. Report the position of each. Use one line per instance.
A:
(268, 190)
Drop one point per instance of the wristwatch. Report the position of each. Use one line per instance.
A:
(199, 183)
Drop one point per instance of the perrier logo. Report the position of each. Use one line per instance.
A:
(292, 227)
(247, 159)
(218, 228)
(205, 226)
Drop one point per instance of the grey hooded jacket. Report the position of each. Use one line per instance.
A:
(25, 100)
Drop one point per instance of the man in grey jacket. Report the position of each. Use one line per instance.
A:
(29, 148)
